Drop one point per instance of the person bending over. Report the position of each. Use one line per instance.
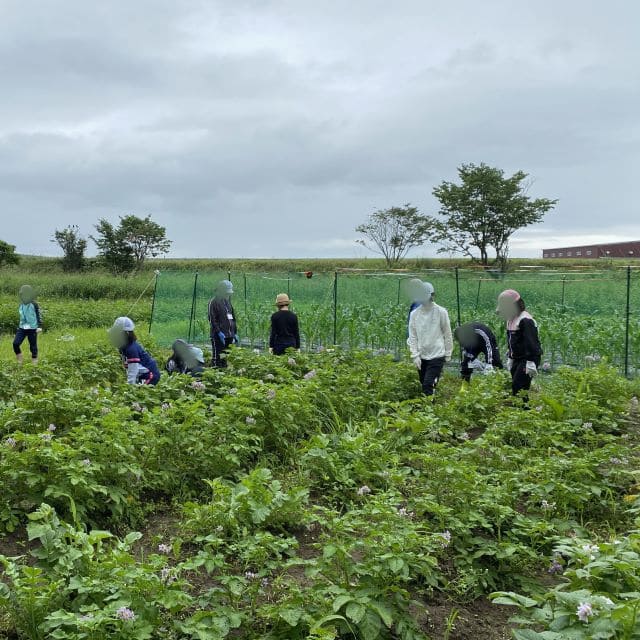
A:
(477, 339)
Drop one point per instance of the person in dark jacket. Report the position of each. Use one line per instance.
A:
(477, 339)
(186, 359)
(523, 343)
(222, 318)
(140, 366)
(29, 324)
(285, 333)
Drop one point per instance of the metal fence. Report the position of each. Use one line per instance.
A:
(582, 312)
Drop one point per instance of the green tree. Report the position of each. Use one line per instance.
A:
(392, 232)
(484, 210)
(73, 246)
(8, 254)
(146, 238)
(125, 247)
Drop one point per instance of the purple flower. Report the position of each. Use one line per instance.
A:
(446, 538)
(250, 575)
(250, 420)
(124, 613)
(271, 394)
(136, 406)
(167, 576)
(86, 462)
(11, 442)
(547, 506)
(166, 406)
(363, 490)
(310, 374)
(46, 437)
(291, 361)
(105, 410)
(264, 583)
(555, 566)
(402, 511)
(197, 385)
(464, 436)
(164, 548)
(51, 427)
(233, 392)
(584, 612)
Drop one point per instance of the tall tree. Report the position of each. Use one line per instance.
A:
(126, 247)
(8, 254)
(484, 210)
(146, 238)
(392, 232)
(73, 246)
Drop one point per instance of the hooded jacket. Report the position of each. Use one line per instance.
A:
(430, 332)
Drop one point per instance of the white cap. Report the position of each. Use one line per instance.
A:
(124, 324)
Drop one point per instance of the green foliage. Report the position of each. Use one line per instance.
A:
(485, 210)
(8, 255)
(73, 247)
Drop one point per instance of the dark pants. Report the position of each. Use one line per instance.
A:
(220, 350)
(32, 336)
(279, 348)
(430, 373)
(520, 379)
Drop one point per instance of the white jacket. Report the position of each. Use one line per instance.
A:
(430, 333)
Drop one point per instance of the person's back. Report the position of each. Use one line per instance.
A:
(285, 331)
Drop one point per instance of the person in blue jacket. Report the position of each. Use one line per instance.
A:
(30, 324)
(141, 367)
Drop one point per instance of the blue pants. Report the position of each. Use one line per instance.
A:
(31, 335)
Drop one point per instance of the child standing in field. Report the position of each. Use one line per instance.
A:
(430, 340)
(523, 343)
(285, 333)
(29, 325)
(141, 367)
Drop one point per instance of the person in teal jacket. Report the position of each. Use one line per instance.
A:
(30, 324)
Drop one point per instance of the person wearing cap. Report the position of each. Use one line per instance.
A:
(141, 367)
(523, 343)
(430, 340)
(285, 333)
(222, 319)
(477, 339)
(29, 324)
(186, 359)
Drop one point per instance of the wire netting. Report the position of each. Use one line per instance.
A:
(581, 312)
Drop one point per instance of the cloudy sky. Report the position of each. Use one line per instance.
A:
(260, 128)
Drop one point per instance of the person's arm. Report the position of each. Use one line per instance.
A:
(296, 331)
(272, 333)
(214, 319)
(445, 325)
(412, 340)
(486, 343)
(36, 308)
(530, 339)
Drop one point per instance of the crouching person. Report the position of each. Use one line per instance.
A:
(477, 339)
(186, 359)
(430, 340)
(140, 366)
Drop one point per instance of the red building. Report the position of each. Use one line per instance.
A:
(612, 250)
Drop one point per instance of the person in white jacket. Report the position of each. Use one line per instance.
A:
(430, 340)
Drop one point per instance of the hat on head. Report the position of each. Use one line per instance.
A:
(508, 294)
(124, 324)
(225, 285)
(282, 300)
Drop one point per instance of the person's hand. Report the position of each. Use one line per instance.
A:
(418, 362)
(221, 336)
(236, 339)
(447, 358)
(39, 330)
(271, 350)
(488, 369)
(475, 364)
(509, 364)
(531, 369)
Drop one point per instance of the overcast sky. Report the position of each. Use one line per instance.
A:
(258, 128)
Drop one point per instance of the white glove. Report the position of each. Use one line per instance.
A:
(39, 330)
(488, 369)
(418, 362)
(531, 369)
(447, 358)
(476, 364)
(509, 364)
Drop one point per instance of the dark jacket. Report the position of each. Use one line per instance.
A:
(284, 330)
(218, 314)
(484, 341)
(523, 341)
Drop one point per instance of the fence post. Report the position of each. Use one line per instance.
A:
(153, 302)
(478, 293)
(399, 281)
(335, 307)
(564, 282)
(626, 329)
(458, 295)
(244, 277)
(229, 275)
(288, 285)
(193, 305)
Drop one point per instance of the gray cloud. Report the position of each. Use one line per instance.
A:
(266, 128)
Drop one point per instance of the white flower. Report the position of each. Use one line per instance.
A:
(584, 611)
(291, 361)
(363, 490)
(250, 420)
(446, 538)
(51, 427)
(164, 548)
(271, 394)
(86, 462)
(250, 575)
(464, 436)
(269, 376)
(310, 374)
(11, 442)
(105, 410)
(548, 506)
(124, 613)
